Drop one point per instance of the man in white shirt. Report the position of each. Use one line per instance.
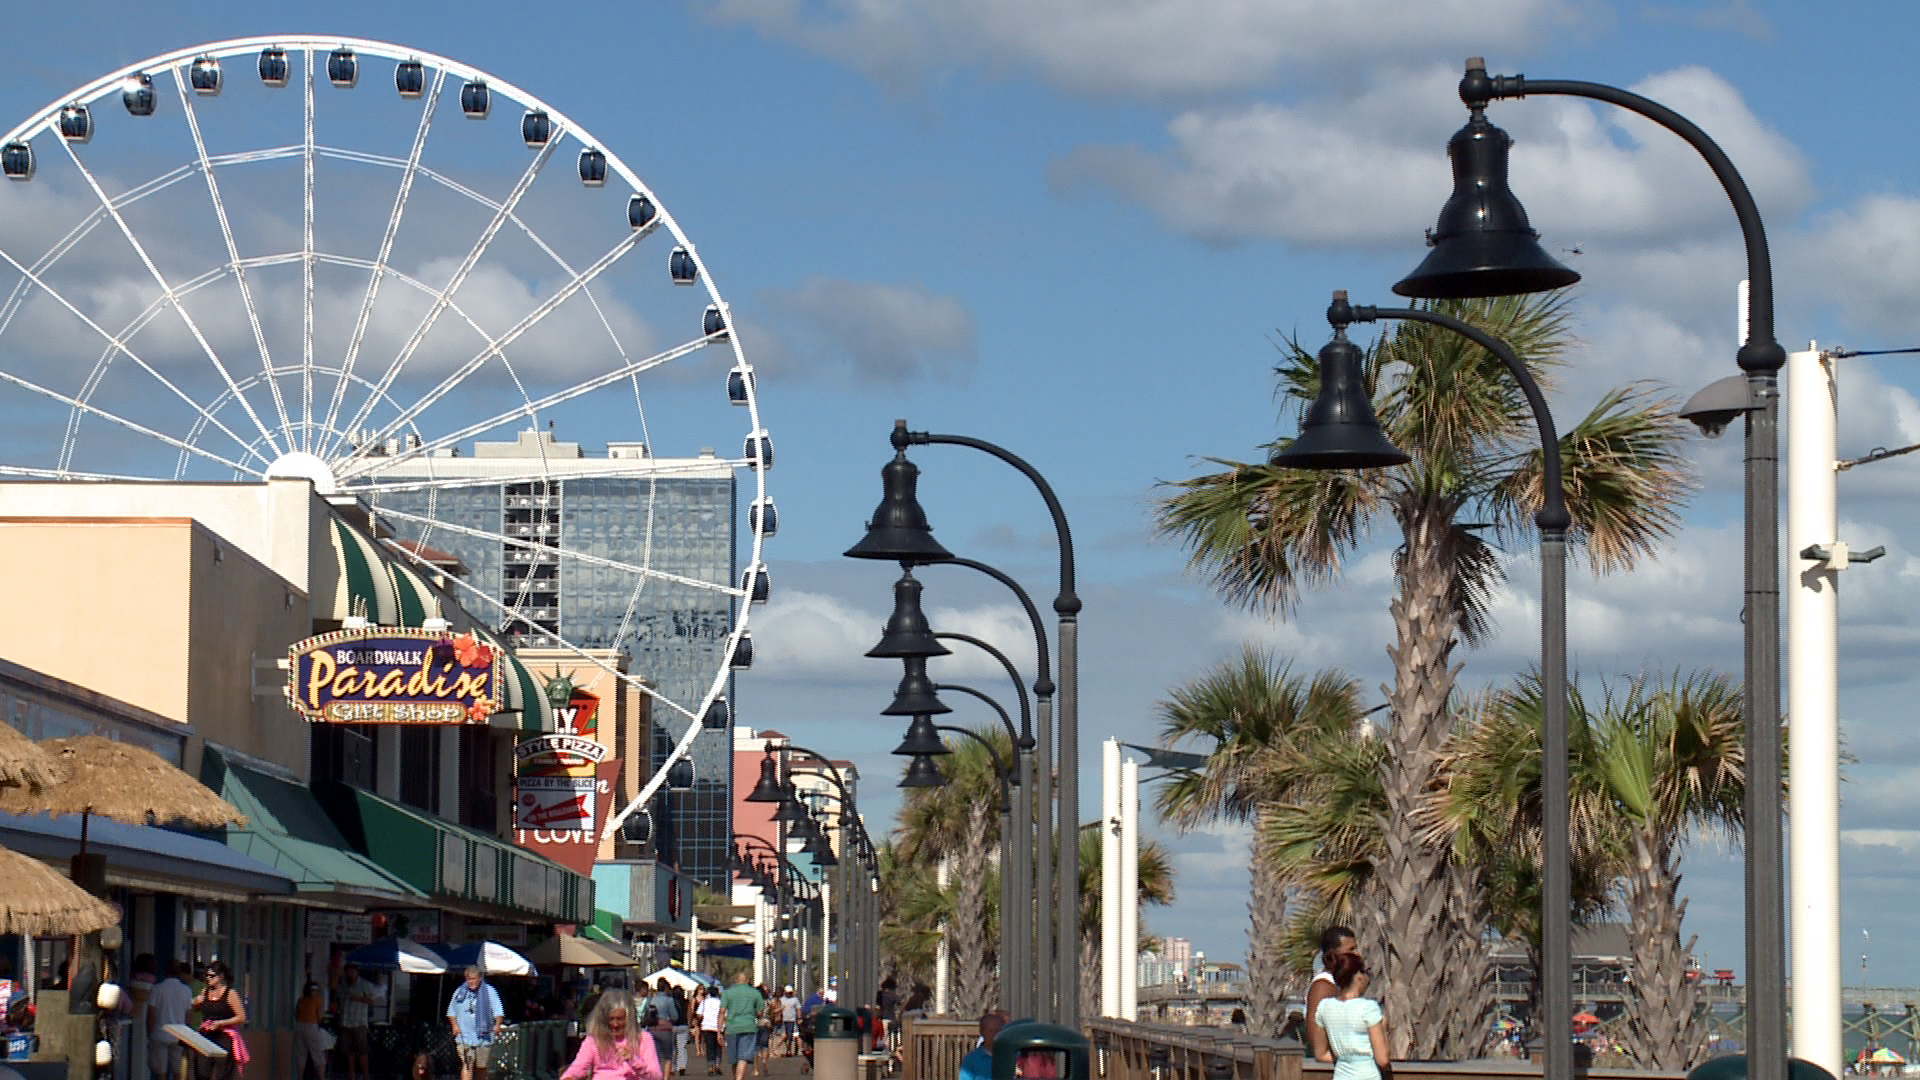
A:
(357, 997)
(167, 1004)
(790, 1021)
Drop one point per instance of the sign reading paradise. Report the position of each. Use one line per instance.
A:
(394, 675)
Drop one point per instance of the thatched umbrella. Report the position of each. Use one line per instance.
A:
(23, 763)
(37, 900)
(121, 783)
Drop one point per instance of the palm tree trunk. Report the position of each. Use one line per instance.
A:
(967, 934)
(1267, 973)
(1663, 1027)
(1089, 970)
(1467, 1009)
(1417, 922)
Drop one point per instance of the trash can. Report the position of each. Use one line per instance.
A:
(836, 1044)
(1734, 1067)
(1032, 1051)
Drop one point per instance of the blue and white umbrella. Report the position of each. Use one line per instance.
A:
(490, 957)
(398, 954)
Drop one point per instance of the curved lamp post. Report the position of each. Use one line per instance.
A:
(859, 925)
(1477, 252)
(899, 532)
(774, 874)
(1340, 431)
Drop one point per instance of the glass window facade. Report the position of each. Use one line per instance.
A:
(676, 634)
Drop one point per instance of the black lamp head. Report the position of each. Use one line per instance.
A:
(820, 850)
(768, 788)
(923, 772)
(1340, 430)
(922, 739)
(791, 813)
(899, 530)
(915, 696)
(907, 632)
(1483, 244)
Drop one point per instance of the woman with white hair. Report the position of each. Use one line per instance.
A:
(616, 1048)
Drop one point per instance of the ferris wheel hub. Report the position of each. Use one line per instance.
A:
(300, 465)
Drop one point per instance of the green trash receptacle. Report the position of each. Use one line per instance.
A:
(1033, 1051)
(836, 1044)
(1734, 1067)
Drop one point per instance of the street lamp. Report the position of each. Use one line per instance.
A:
(899, 532)
(1478, 251)
(1346, 434)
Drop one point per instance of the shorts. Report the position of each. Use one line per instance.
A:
(163, 1057)
(743, 1047)
(352, 1040)
(475, 1056)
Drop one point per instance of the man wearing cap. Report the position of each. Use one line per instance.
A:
(789, 1022)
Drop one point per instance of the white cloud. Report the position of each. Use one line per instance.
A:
(871, 332)
(1369, 167)
(1146, 47)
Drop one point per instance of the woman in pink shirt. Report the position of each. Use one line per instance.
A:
(615, 1048)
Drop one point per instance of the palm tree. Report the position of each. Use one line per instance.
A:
(1648, 767)
(960, 822)
(1258, 722)
(1262, 533)
(912, 910)
(1673, 759)
(1155, 876)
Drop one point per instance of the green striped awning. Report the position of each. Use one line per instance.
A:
(524, 692)
(367, 582)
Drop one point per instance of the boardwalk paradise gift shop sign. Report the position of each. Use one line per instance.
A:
(388, 675)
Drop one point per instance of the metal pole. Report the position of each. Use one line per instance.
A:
(1556, 886)
(1043, 839)
(1813, 811)
(1128, 947)
(1761, 357)
(1020, 941)
(1110, 828)
(1067, 936)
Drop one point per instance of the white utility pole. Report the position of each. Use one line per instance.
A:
(1110, 880)
(1127, 949)
(1813, 705)
(942, 959)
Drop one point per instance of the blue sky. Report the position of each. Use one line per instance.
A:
(1077, 228)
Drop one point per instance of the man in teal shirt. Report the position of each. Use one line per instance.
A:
(978, 1062)
(740, 1009)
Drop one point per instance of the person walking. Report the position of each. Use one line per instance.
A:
(977, 1064)
(222, 1014)
(707, 1008)
(475, 1016)
(1352, 1026)
(789, 1022)
(309, 1041)
(1334, 941)
(357, 998)
(768, 1018)
(615, 1047)
(886, 1006)
(168, 1003)
(740, 1009)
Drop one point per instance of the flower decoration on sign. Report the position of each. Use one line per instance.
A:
(471, 652)
(480, 710)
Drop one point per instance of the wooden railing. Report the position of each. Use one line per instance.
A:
(1135, 1051)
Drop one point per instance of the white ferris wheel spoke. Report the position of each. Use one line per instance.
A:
(114, 344)
(459, 278)
(72, 474)
(168, 291)
(306, 270)
(412, 170)
(530, 409)
(226, 227)
(514, 615)
(565, 553)
(442, 483)
(95, 410)
(199, 426)
(496, 348)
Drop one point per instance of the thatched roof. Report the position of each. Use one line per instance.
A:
(37, 900)
(123, 783)
(23, 763)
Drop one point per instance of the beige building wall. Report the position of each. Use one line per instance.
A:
(166, 615)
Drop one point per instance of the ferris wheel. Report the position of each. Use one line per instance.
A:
(404, 279)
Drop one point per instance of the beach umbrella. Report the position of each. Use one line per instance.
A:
(1585, 1018)
(38, 900)
(490, 957)
(24, 763)
(1884, 1056)
(121, 783)
(575, 951)
(675, 977)
(398, 954)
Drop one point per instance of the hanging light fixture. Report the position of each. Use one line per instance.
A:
(915, 695)
(898, 529)
(1340, 430)
(907, 632)
(922, 739)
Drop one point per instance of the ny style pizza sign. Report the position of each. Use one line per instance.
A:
(390, 675)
